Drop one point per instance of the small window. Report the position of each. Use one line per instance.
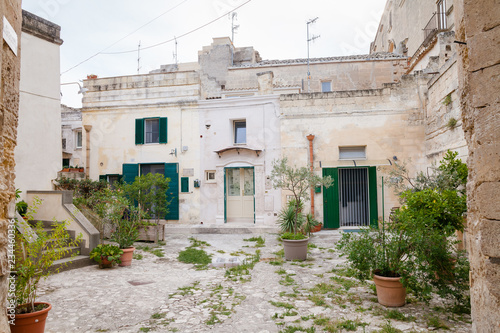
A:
(352, 153)
(65, 162)
(240, 132)
(184, 184)
(210, 176)
(152, 130)
(326, 86)
(63, 143)
(78, 139)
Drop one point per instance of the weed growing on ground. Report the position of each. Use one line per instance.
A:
(281, 271)
(347, 284)
(434, 321)
(183, 291)
(287, 280)
(137, 256)
(158, 252)
(293, 329)
(221, 251)
(145, 329)
(398, 315)
(311, 246)
(388, 328)
(158, 315)
(195, 256)
(259, 241)
(197, 243)
(243, 271)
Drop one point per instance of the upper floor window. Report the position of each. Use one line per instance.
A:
(240, 132)
(78, 139)
(352, 153)
(151, 130)
(326, 86)
(441, 12)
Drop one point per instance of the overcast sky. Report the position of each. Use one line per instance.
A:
(275, 28)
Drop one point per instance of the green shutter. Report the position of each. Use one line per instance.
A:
(103, 177)
(372, 192)
(331, 200)
(163, 130)
(139, 131)
(130, 171)
(184, 184)
(172, 172)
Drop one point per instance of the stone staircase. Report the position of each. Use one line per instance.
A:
(73, 257)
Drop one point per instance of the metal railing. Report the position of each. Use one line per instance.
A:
(436, 24)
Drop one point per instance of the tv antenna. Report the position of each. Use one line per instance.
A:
(233, 30)
(139, 57)
(309, 40)
(175, 52)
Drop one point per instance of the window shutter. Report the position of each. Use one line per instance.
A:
(103, 177)
(331, 208)
(184, 184)
(163, 130)
(139, 131)
(172, 172)
(130, 171)
(372, 193)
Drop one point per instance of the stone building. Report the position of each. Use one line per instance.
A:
(9, 105)
(39, 151)
(72, 137)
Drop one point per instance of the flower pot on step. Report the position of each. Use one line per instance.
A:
(126, 257)
(295, 249)
(33, 322)
(390, 291)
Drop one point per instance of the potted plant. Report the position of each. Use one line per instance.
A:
(35, 253)
(295, 227)
(125, 219)
(106, 255)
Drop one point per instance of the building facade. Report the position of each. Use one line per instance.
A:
(72, 137)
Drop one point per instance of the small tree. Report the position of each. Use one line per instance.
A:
(296, 180)
(150, 193)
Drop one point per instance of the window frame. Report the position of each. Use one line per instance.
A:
(78, 133)
(140, 130)
(146, 122)
(352, 149)
(323, 82)
(235, 134)
(207, 173)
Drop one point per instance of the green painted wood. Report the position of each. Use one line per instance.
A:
(139, 131)
(130, 171)
(184, 184)
(331, 200)
(103, 177)
(163, 130)
(172, 172)
(372, 193)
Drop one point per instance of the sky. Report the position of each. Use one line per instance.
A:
(275, 28)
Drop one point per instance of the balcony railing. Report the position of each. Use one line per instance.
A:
(436, 24)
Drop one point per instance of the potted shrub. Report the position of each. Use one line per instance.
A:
(126, 221)
(295, 227)
(106, 255)
(35, 253)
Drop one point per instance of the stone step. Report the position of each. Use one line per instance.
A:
(219, 229)
(72, 251)
(67, 264)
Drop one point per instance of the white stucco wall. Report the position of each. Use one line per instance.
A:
(263, 133)
(38, 153)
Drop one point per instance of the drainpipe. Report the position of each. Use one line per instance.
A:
(87, 150)
(310, 137)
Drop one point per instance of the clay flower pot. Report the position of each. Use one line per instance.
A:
(295, 249)
(390, 291)
(31, 322)
(105, 263)
(126, 257)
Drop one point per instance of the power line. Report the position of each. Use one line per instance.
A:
(185, 34)
(133, 32)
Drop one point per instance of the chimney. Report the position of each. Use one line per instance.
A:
(265, 80)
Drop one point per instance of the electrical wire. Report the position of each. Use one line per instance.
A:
(142, 26)
(185, 34)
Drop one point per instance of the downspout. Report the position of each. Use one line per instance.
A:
(310, 137)
(87, 150)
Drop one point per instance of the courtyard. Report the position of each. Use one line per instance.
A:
(159, 293)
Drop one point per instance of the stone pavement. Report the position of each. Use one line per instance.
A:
(161, 294)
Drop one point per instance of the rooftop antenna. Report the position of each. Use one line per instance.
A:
(175, 52)
(139, 57)
(233, 29)
(309, 40)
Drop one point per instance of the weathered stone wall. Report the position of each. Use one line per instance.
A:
(9, 106)
(478, 25)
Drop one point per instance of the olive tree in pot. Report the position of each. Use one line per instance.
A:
(295, 227)
(35, 252)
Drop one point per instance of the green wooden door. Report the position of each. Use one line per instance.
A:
(172, 172)
(331, 200)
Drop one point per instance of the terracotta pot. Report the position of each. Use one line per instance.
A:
(295, 249)
(317, 228)
(127, 255)
(31, 322)
(105, 263)
(390, 291)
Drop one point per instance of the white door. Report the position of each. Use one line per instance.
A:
(239, 195)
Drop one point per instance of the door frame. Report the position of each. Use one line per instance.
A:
(225, 189)
(331, 216)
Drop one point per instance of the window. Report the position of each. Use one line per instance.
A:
(240, 132)
(151, 130)
(184, 184)
(78, 139)
(352, 153)
(441, 12)
(65, 162)
(326, 86)
(63, 143)
(210, 176)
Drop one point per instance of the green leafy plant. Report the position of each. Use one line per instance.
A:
(22, 208)
(35, 255)
(297, 180)
(125, 219)
(292, 236)
(108, 252)
(451, 123)
(447, 100)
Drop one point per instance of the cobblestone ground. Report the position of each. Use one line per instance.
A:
(161, 294)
